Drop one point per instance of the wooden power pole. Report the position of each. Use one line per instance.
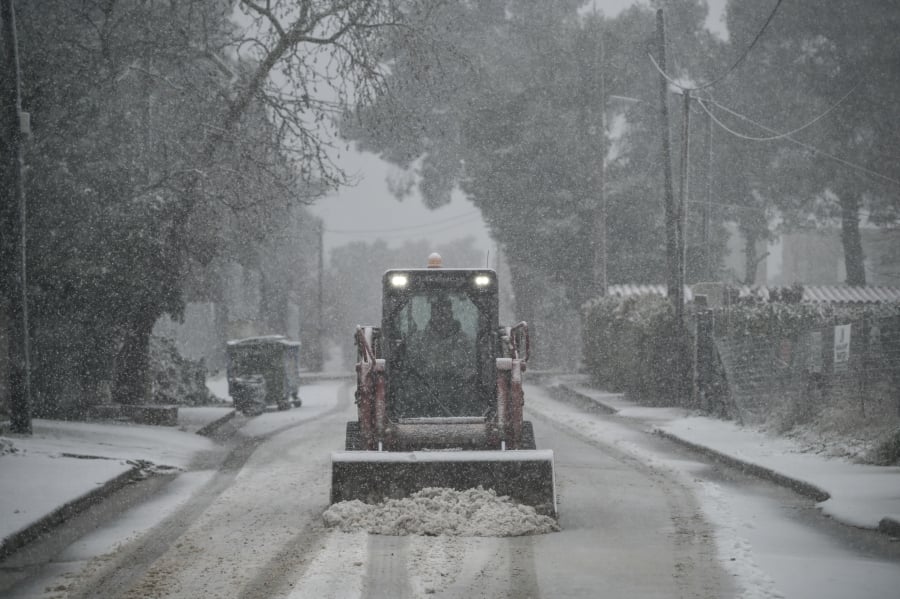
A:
(601, 210)
(683, 189)
(12, 226)
(319, 358)
(674, 276)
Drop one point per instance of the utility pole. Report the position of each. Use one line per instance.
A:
(12, 227)
(707, 208)
(683, 187)
(600, 212)
(674, 279)
(319, 358)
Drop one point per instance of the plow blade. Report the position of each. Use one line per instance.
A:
(526, 476)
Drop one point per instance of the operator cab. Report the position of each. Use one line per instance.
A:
(439, 328)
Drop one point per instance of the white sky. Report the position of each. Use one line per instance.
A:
(368, 211)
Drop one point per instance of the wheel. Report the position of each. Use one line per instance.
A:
(253, 409)
(527, 441)
(354, 439)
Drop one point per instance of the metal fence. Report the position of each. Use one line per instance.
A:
(854, 363)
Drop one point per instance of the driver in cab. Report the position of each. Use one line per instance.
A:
(442, 352)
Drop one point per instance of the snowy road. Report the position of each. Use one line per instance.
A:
(636, 520)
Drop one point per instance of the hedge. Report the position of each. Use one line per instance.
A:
(632, 345)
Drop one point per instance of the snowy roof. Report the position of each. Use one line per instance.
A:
(849, 294)
(630, 289)
(834, 294)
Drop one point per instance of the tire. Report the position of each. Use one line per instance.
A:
(527, 441)
(354, 439)
(253, 409)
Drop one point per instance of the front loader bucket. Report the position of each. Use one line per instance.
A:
(526, 476)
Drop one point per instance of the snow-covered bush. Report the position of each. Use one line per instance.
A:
(887, 452)
(633, 345)
(175, 379)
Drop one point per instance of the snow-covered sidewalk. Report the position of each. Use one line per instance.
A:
(63, 466)
(855, 494)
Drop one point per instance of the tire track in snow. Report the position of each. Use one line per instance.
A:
(387, 572)
(140, 566)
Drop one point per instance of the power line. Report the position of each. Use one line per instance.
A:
(738, 206)
(864, 213)
(730, 69)
(781, 135)
(410, 236)
(798, 142)
(463, 218)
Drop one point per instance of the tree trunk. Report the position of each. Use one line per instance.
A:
(854, 259)
(12, 229)
(131, 383)
(750, 260)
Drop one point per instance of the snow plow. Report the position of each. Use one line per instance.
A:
(439, 395)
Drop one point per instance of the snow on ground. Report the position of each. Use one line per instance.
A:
(317, 398)
(37, 478)
(337, 571)
(54, 477)
(218, 386)
(63, 461)
(861, 495)
(192, 419)
(439, 511)
(744, 526)
(160, 445)
(795, 560)
(735, 549)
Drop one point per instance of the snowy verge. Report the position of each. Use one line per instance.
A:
(29, 510)
(856, 494)
(48, 474)
(439, 511)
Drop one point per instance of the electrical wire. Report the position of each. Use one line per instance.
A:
(781, 135)
(796, 141)
(721, 205)
(411, 235)
(863, 213)
(463, 218)
(733, 66)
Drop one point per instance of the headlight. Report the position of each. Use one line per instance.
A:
(399, 280)
(482, 280)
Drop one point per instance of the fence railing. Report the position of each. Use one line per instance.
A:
(751, 377)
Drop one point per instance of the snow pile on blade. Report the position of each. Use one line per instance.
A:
(440, 511)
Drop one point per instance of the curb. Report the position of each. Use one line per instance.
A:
(888, 525)
(19, 539)
(212, 427)
(580, 400)
(804, 488)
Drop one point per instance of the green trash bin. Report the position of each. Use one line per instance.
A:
(272, 357)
